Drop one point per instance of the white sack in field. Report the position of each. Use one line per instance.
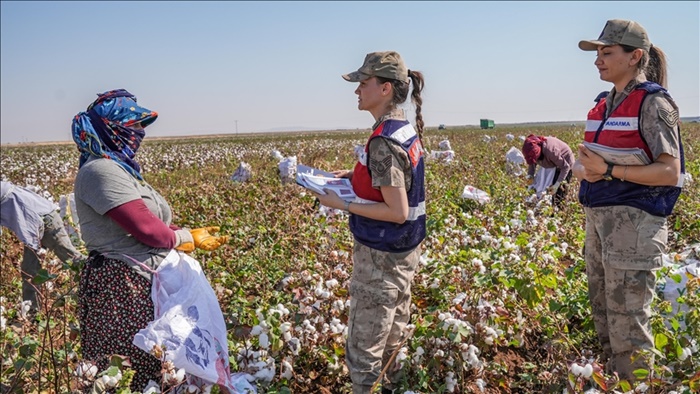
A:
(277, 155)
(189, 324)
(514, 161)
(444, 145)
(472, 193)
(242, 173)
(288, 169)
(444, 155)
(675, 284)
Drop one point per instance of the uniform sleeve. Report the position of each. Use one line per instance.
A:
(388, 163)
(659, 125)
(104, 185)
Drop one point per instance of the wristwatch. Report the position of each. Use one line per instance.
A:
(608, 174)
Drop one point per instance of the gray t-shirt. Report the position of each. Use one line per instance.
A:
(101, 185)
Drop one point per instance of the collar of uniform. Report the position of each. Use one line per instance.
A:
(615, 97)
(395, 113)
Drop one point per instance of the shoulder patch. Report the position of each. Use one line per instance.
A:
(669, 117)
(382, 167)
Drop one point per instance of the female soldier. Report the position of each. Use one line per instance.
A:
(387, 219)
(626, 206)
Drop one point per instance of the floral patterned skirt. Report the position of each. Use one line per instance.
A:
(114, 304)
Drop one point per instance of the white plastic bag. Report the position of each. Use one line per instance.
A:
(514, 161)
(472, 193)
(277, 155)
(444, 155)
(242, 173)
(445, 145)
(189, 324)
(288, 169)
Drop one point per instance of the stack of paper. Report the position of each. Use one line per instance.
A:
(317, 180)
(620, 156)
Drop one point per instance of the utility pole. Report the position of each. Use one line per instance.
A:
(236, 127)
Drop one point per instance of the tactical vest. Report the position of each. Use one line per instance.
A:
(388, 236)
(621, 130)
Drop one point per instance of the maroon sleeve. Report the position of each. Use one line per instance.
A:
(136, 219)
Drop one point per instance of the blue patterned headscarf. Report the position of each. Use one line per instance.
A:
(106, 129)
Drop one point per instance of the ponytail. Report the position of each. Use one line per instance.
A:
(655, 67)
(418, 82)
(401, 94)
(653, 64)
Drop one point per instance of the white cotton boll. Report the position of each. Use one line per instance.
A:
(24, 308)
(685, 353)
(287, 336)
(294, 345)
(641, 388)
(286, 370)
(264, 325)
(318, 290)
(284, 327)
(338, 305)
(264, 341)
(576, 369)
(256, 330)
(325, 295)
(282, 309)
(152, 388)
(587, 371)
(480, 384)
(332, 283)
(442, 316)
(439, 353)
(450, 382)
(435, 284)
(419, 351)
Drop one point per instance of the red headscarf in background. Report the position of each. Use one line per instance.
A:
(532, 148)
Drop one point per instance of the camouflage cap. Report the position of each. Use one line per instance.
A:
(619, 31)
(380, 64)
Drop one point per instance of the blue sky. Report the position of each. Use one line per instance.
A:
(222, 67)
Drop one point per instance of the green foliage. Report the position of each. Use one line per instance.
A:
(500, 300)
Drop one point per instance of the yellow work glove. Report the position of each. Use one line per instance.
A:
(204, 240)
(184, 241)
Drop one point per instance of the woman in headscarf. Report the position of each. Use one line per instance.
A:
(550, 152)
(126, 226)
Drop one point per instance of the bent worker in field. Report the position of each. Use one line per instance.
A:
(36, 222)
(550, 152)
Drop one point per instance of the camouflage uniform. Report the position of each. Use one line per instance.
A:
(380, 287)
(624, 245)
